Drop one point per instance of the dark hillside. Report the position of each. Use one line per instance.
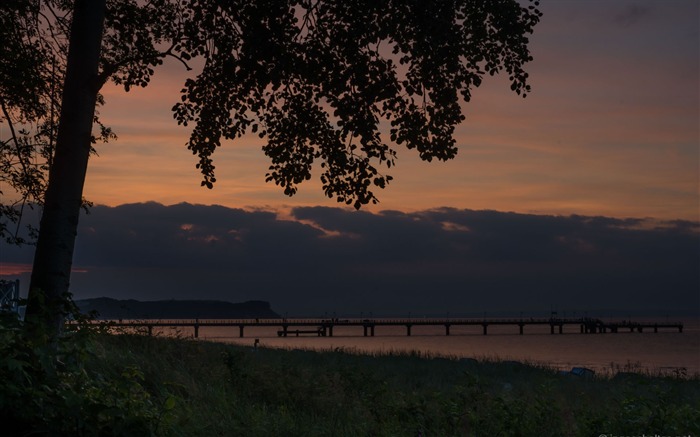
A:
(108, 308)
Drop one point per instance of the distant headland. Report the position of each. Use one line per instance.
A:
(108, 308)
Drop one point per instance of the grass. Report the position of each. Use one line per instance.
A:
(179, 387)
(233, 390)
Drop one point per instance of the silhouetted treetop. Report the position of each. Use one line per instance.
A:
(341, 82)
(334, 82)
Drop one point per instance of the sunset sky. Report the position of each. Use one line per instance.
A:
(611, 128)
(595, 176)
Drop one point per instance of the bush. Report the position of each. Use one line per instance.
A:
(47, 389)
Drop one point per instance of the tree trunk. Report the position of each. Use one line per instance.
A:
(59, 222)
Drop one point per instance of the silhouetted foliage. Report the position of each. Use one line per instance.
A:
(32, 72)
(326, 81)
(26, 95)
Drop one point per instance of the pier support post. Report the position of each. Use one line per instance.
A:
(561, 329)
(447, 329)
(371, 330)
(485, 325)
(150, 330)
(196, 330)
(364, 330)
(240, 331)
(408, 330)
(551, 328)
(284, 330)
(522, 328)
(330, 331)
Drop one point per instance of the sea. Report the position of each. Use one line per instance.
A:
(666, 352)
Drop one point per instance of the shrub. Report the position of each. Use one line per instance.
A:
(48, 390)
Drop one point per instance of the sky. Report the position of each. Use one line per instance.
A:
(583, 196)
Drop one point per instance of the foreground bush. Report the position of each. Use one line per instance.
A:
(50, 389)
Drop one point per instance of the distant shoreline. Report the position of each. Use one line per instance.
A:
(109, 308)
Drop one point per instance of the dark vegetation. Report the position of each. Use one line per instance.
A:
(95, 383)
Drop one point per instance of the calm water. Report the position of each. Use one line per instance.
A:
(606, 353)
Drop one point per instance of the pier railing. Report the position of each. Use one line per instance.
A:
(325, 326)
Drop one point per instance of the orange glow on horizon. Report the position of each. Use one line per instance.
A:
(18, 269)
(14, 269)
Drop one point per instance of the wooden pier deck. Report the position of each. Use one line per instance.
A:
(325, 327)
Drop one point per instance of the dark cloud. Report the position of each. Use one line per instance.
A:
(326, 260)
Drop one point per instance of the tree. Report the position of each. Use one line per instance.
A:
(93, 57)
(32, 72)
(323, 81)
(23, 66)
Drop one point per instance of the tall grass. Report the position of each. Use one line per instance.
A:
(234, 390)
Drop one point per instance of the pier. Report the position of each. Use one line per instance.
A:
(324, 327)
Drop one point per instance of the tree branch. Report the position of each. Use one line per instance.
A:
(15, 141)
(170, 53)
